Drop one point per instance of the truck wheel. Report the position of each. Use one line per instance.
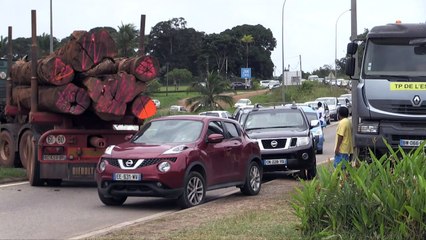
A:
(28, 153)
(112, 201)
(194, 190)
(253, 180)
(7, 149)
(23, 149)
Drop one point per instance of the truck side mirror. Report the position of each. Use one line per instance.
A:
(350, 66)
(351, 48)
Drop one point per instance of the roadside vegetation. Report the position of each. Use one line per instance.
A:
(11, 174)
(381, 200)
(307, 91)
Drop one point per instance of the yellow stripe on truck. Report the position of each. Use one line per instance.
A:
(396, 86)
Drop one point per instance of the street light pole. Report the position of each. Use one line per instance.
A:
(282, 37)
(335, 44)
(51, 29)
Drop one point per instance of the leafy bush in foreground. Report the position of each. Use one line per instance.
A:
(385, 199)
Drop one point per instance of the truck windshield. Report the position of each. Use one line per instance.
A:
(393, 58)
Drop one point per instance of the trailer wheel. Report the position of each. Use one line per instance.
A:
(23, 149)
(7, 149)
(28, 154)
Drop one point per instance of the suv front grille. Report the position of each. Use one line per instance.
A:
(146, 162)
(273, 143)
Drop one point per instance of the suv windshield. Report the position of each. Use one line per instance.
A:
(275, 119)
(394, 58)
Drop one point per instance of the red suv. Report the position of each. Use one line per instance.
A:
(180, 157)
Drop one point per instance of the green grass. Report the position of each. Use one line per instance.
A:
(308, 91)
(11, 173)
(273, 223)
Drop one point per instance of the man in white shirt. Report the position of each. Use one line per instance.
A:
(321, 112)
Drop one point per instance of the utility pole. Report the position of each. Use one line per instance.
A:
(282, 37)
(301, 74)
(355, 115)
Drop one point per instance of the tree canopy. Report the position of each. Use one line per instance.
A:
(176, 46)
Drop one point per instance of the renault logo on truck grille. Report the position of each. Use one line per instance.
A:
(416, 101)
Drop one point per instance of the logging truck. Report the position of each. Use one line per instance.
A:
(61, 109)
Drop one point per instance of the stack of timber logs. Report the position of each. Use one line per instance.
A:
(86, 75)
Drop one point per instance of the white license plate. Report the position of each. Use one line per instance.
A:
(54, 157)
(127, 176)
(410, 143)
(275, 161)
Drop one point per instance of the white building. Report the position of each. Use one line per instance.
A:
(292, 78)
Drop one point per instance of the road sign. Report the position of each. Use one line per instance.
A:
(245, 72)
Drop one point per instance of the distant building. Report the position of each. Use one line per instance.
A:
(292, 78)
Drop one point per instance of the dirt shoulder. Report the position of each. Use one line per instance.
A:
(278, 191)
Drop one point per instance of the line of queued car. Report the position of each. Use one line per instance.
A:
(180, 157)
(183, 156)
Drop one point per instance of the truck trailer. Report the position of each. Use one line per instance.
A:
(55, 147)
(391, 88)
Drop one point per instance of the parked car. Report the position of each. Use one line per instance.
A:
(274, 84)
(240, 113)
(242, 102)
(347, 95)
(314, 105)
(332, 103)
(343, 101)
(316, 130)
(223, 114)
(285, 139)
(264, 83)
(238, 85)
(157, 103)
(177, 108)
(181, 157)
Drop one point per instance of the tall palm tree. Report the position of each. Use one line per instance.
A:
(127, 39)
(247, 39)
(210, 94)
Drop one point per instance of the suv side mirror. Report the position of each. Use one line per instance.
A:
(315, 123)
(215, 138)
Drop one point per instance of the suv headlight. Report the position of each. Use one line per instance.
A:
(175, 150)
(109, 149)
(368, 128)
(102, 165)
(302, 141)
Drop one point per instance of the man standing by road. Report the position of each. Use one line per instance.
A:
(344, 147)
(321, 112)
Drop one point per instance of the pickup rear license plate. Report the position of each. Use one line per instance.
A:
(410, 143)
(275, 162)
(127, 176)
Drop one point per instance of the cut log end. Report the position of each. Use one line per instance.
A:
(143, 107)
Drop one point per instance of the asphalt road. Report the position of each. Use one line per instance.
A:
(73, 211)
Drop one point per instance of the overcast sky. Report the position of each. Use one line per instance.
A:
(309, 25)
